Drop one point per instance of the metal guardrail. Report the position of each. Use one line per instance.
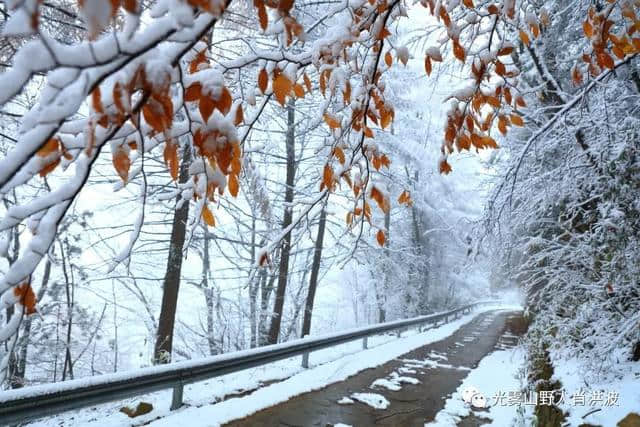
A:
(22, 405)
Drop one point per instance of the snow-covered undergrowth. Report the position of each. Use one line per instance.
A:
(500, 372)
(327, 366)
(608, 398)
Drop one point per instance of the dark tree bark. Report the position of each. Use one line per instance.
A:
(315, 270)
(285, 252)
(171, 284)
(266, 287)
(209, 299)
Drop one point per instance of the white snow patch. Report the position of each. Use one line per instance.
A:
(374, 400)
(570, 373)
(385, 383)
(508, 363)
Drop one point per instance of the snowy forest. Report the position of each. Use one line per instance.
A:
(182, 179)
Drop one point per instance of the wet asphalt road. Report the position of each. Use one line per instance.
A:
(439, 369)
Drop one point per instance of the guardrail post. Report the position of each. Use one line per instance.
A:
(365, 343)
(305, 360)
(176, 397)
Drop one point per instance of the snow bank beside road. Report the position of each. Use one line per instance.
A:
(499, 372)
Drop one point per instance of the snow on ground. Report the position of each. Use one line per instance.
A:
(499, 372)
(603, 401)
(346, 401)
(376, 401)
(394, 382)
(431, 364)
(385, 383)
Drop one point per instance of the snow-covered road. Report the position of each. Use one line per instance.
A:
(232, 397)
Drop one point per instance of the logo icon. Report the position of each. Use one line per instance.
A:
(473, 397)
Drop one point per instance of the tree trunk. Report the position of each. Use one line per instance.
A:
(382, 296)
(171, 285)
(285, 252)
(253, 292)
(315, 270)
(208, 295)
(266, 287)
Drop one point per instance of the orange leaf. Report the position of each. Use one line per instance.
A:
(96, 101)
(49, 167)
(223, 104)
(298, 90)
(26, 297)
(130, 6)
(444, 167)
(263, 80)
(380, 199)
(193, 92)
(468, 3)
(493, 101)
(239, 116)
(263, 18)
(171, 159)
(489, 142)
(458, 51)
(201, 58)
(376, 162)
(507, 95)
(207, 216)
(327, 176)
(264, 260)
(502, 125)
(51, 146)
(281, 88)
(331, 121)
(520, 102)
(384, 161)
(380, 237)
(233, 185)
(607, 60)
(505, 51)
(337, 151)
(618, 52)
(384, 33)
(117, 97)
(403, 197)
(323, 81)
(587, 28)
(517, 120)
(206, 107)
(388, 59)
(346, 95)
(122, 163)
(368, 132)
(524, 37)
(158, 112)
(576, 75)
(427, 65)
(386, 116)
(307, 82)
